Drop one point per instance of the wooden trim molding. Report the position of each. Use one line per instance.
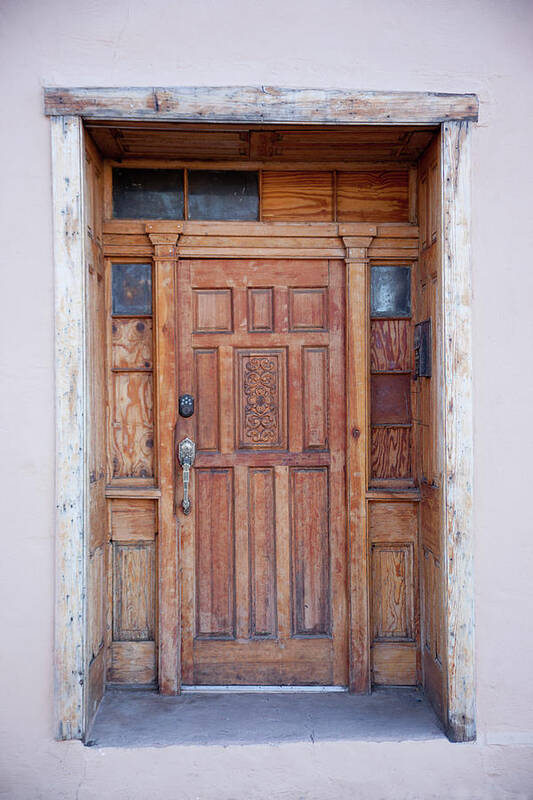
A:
(260, 104)
(458, 429)
(357, 320)
(68, 159)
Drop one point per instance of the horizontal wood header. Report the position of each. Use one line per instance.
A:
(260, 104)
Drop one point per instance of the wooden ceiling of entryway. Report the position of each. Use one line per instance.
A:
(366, 144)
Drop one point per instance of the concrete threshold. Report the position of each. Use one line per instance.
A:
(144, 718)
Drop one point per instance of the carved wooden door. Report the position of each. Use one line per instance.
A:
(263, 550)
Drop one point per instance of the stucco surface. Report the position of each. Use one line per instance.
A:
(452, 45)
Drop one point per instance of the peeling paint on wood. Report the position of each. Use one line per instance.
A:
(67, 161)
(261, 104)
(456, 167)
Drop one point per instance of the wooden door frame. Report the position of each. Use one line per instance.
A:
(67, 109)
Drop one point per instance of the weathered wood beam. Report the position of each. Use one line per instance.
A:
(458, 430)
(71, 470)
(261, 104)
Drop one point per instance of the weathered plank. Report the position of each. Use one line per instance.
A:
(260, 104)
(71, 467)
(458, 484)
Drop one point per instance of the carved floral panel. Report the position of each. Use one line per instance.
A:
(260, 393)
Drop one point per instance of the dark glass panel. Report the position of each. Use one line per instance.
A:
(390, 292)
(131, 289)
(223, 195)
(148, 193)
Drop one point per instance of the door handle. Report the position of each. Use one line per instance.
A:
(186, 454)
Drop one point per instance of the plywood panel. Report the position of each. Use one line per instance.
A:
(391, 453)
(297, 196)
(315, 398)
(260, 310)
(390, 344)
(373, 196)
(131, 343)
(262, 550)
(391, 399)
(310, 552)
(133, 591)
(392, 591)
(212, 310)
(308, 309)
(215, 554)
(261, 404)
(132, 426)
(206, 393)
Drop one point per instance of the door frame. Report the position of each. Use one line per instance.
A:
(67, 109)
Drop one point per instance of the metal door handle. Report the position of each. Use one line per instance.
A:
(186, 454)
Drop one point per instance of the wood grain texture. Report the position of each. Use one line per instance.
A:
(206, 394)
(308, 309)
(71, 477)
(295, 196)
(373, 196)
(260, 104)
(390, 341)
(391, 453)
(357, 371)
(258, 582)
(260, 310)
(315, 398)
(311, 601)
(97, 633)
(394, 664)
(252, 272)
(262, 547)
(131, 343)
(392, 592)
(456, 180)
(212, 309)
(215, 554)
(96, 606)
(132, 444)
(393, 521)
(244, 146)
(134, 591)
(391, 399)
(132, 663)
(168, 635)
(133, 520)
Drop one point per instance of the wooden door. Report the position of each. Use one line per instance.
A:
(263, 551)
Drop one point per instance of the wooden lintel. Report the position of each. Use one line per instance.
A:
(262, 104)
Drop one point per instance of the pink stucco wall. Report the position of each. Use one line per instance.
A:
(482, 46)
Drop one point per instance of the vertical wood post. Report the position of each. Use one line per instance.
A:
(356, 460)
(458, 430)
(71, 471)
(169, 638)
